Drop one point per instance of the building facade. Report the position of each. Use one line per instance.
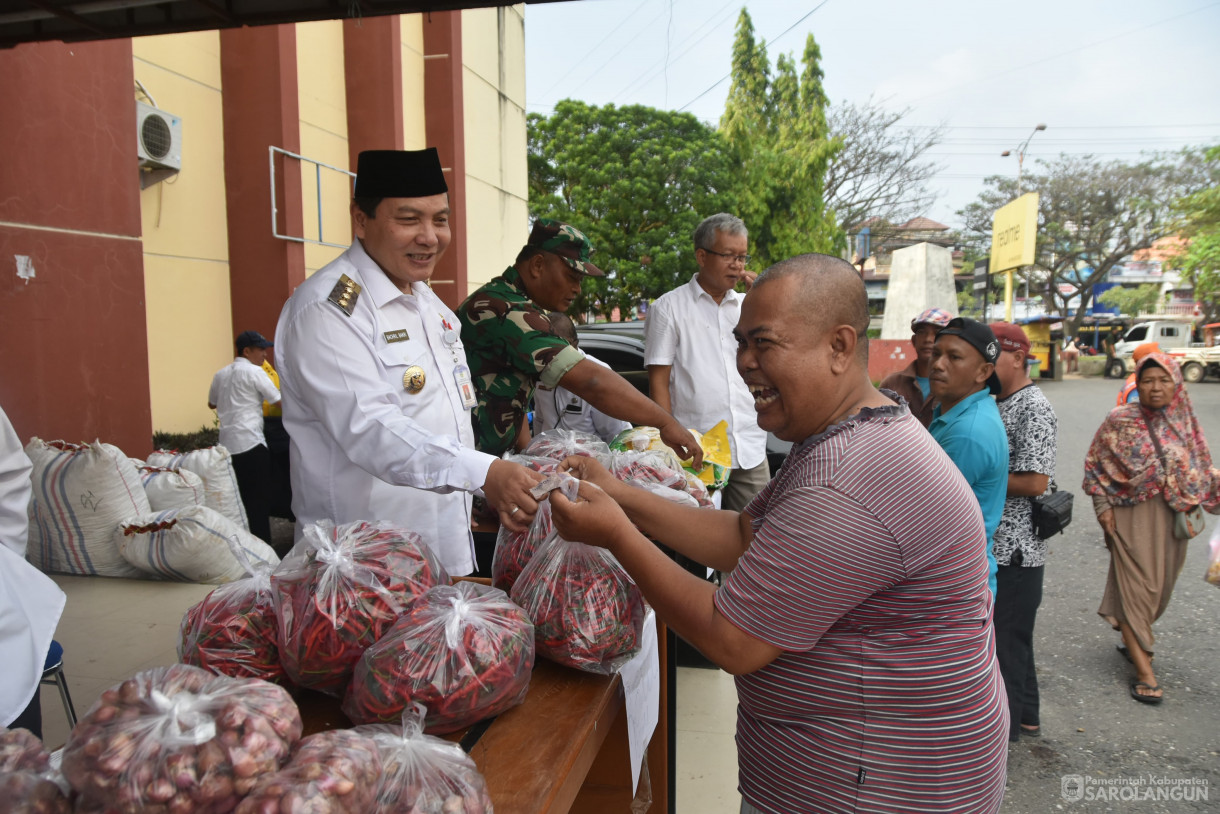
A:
(126, 286)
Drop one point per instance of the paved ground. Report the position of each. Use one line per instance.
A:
(1091, 727)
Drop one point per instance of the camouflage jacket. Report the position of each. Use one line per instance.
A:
(510, 349)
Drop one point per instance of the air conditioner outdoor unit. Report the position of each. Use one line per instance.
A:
(158, 138)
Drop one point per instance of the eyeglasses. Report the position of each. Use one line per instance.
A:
(740, 258)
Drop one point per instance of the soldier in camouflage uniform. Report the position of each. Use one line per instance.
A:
(510, 347)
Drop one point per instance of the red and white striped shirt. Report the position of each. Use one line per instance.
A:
(867, 569)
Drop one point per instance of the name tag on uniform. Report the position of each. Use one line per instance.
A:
(461, 375)
(396, 336)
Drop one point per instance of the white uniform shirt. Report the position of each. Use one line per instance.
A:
(363, 447)
(561, 408)
(30, 603)
(688, 330)
(238, 390)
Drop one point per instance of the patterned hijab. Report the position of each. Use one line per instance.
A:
(1123, 465)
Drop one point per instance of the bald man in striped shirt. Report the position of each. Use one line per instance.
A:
(856, 614)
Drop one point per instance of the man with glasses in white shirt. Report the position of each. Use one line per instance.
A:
(691, 354)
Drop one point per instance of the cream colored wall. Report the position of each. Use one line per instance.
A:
(497, 187)
(322, 96)
(414, 137)
(186, 244)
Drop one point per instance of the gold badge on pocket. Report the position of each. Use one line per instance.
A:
(413, 380)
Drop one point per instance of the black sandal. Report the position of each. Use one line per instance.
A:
(1146, 699)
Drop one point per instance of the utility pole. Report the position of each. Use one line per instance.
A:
(1020, 150)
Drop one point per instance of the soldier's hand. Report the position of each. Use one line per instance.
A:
(508, 489)
(679, 439)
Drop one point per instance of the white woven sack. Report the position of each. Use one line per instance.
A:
(215, 466)
(81, 493)
(172, 488)
(195, 544)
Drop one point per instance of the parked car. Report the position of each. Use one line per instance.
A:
(625, 355)
(1169, 334)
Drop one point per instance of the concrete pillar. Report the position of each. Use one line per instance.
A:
(446, 131)
(921, 277)
(72, 315)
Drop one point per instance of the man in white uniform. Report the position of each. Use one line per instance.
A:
(376, 391)
(691, 354)
(30, 603)
(237, 394)
(560, 408)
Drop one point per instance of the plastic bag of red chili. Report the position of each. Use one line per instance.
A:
(514, 549)
(559, 444)
(421, 774)
(657, 467)
(587, 612)
(179, 739)
(333, 772)
(339, 590)
(232, 631)
(464, 651)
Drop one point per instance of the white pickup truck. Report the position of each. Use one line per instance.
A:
(1169, 334)
(1198, 363)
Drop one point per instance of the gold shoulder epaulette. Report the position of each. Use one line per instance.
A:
(345, 293)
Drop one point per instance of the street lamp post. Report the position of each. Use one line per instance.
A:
(1020, 161)
(1021, 154)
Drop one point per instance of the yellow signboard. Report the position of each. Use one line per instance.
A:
(1013, 233)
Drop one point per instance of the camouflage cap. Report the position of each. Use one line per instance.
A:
(567, 242)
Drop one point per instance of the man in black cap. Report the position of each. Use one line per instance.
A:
(237, 394)
(377, 395)
(966, 423)
(512, 348)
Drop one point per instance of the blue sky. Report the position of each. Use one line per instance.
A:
(1113, 78)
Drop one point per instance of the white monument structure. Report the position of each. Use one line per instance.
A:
(921, 277)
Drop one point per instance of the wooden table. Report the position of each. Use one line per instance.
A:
(564, 748)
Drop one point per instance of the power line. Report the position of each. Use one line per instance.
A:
(650, 72)
(1023, 127)
(773, 41)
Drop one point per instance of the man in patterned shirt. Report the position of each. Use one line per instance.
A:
(1030, 423)
(856, 611)
(510, 346)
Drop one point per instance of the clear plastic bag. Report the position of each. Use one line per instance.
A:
(1213, 563)
(559, 444)
(652, 467)
(339, 590)
(465, 652)
(587, 612)
(28, 784)
(514, 549)
(333, 772)
(421, 774)
(179, 739)
(232, 631)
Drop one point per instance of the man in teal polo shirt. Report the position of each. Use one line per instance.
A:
(967, 423)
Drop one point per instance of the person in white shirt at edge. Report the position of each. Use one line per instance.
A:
(691, 354)
(561, 408)
(237, 394)
(377, 394)
(30, 603)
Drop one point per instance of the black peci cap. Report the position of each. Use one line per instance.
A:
(399, 174)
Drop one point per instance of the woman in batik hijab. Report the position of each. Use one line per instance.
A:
(1147, 461)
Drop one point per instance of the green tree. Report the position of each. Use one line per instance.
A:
(637, 181)
(1200, 260)
(776, 130)
(1092, 215)
(1140, 299)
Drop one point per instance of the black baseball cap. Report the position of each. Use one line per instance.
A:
(251, 339)
(982, 339)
